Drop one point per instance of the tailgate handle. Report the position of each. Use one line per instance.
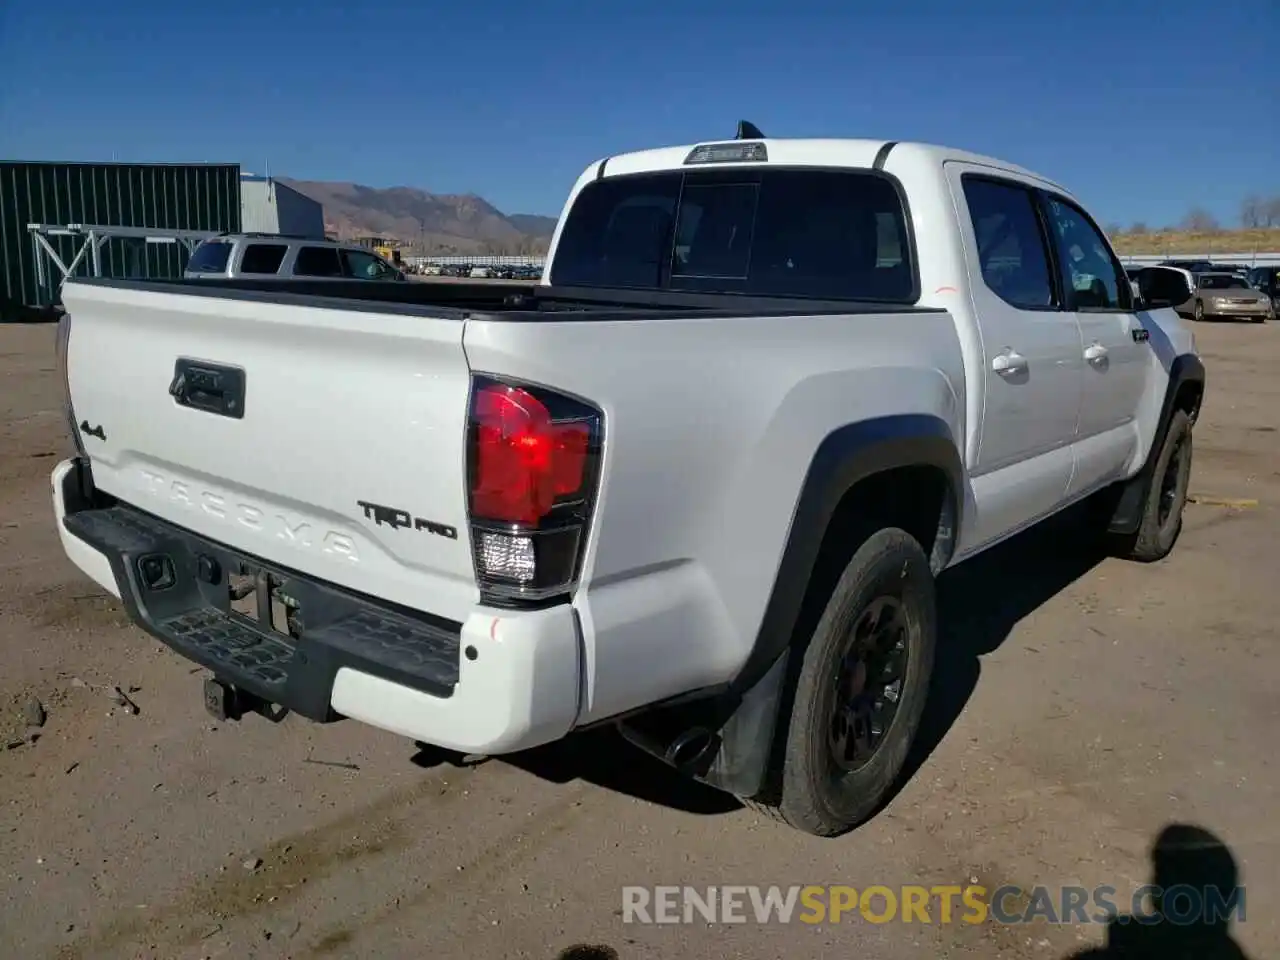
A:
(208, 387)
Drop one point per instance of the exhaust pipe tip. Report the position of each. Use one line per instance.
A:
(691, 748)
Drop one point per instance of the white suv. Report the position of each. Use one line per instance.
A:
(267, 255)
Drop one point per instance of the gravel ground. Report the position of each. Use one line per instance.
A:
(1083, 705)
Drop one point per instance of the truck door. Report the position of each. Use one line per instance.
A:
(1032, 361)
(1115, 366)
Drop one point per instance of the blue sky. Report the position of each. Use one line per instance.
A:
(1142, 109)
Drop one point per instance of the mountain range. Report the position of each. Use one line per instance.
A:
(427, 222)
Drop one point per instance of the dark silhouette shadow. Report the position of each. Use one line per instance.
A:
(601, 756)
(588, 951)
(983, 599)
(1189, 915)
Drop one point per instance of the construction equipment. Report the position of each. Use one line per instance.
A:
(384, 248)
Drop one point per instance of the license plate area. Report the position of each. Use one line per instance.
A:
(262, 597)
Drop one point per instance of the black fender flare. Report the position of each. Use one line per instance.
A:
(1186, 368)
(846, 456)
(739, 722)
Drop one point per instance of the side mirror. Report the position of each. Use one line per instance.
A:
(1172, 290)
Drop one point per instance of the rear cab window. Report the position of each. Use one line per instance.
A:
(263, 258)
(211, 256)
(764, 232)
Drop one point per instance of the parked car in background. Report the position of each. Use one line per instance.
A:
(1221, 296)
(1267, 280)
(1195, 266)
(261, 256)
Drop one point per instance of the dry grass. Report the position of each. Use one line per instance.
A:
(1162, 243)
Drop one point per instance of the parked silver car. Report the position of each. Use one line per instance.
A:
(274, 256)
(1225, 295)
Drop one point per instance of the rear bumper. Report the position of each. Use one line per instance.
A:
(495, 683)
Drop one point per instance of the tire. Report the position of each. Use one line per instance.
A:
(887, 584)
(1161, 520)
(1197, 313)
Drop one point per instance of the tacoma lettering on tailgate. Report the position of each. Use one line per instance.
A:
(274, 523)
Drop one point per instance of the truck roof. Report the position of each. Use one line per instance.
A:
(810, 152)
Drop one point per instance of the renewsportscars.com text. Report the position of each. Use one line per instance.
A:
(972, 904)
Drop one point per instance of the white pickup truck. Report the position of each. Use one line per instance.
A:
(696, 482)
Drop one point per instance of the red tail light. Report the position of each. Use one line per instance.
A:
(523, 459)
(533, 458)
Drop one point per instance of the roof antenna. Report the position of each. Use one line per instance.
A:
(748, 131)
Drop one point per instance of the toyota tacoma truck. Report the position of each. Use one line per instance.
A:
(696, 482)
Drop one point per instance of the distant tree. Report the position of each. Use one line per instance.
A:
(1271, 212)
(1199, 220)
(1114, 229)
(1251, 212)
(1139, 228)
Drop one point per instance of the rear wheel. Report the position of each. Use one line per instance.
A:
(860, 692)
(1198, 312)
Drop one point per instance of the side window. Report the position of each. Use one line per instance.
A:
(1091, 274)
(364, 266)
(262, 257)
(1011, 245)
(317, 262)
(210, 257)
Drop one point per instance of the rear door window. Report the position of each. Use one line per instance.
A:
(795, 233)
(1012, 251)
(317, 262)
(210, 257)
(262, 258)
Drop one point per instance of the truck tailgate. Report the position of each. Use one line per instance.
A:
(344, 458)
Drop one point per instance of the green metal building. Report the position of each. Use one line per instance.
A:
(163, 197)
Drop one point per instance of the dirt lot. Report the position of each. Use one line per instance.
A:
(1083, 705)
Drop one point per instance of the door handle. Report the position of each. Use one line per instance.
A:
(1095, 352)
(1009, 362)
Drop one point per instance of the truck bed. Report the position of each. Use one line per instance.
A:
(483, 300)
